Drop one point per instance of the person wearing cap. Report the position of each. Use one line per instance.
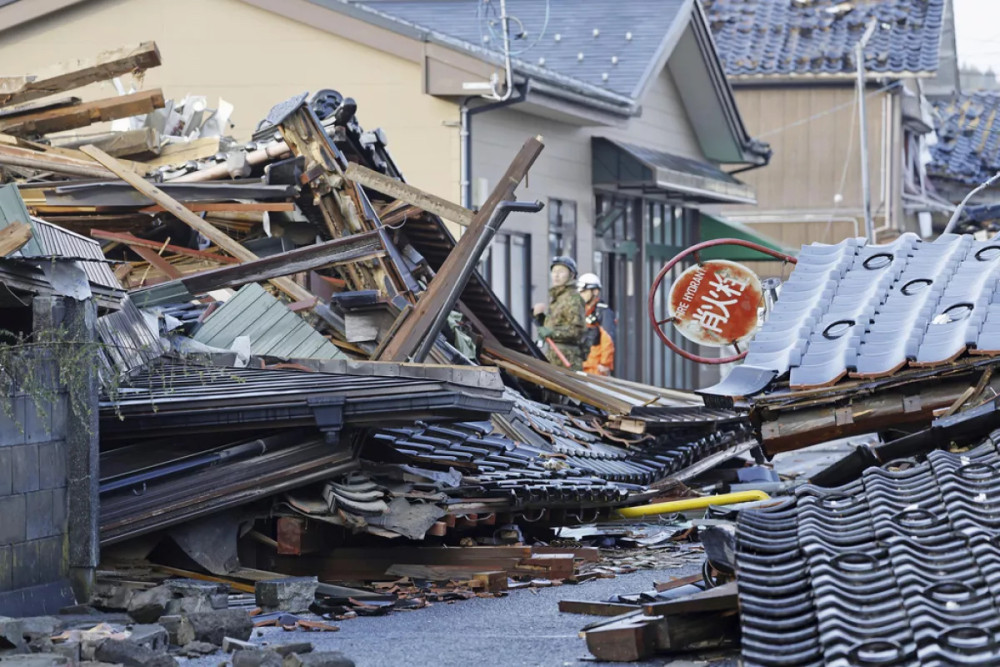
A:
(563, 327)
(602, 325)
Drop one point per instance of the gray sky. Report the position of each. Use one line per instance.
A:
(978, 25)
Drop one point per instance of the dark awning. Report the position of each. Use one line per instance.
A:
(717, 227)
(632, 169)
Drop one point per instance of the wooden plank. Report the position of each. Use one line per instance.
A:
(721, 598)
(661, 586)
(199, 149)
(695, 631)
(33, 107)
(13, 237)
(424, 201)
(78, 73)
(70, 118)
(157, 261)
(131, 240)
(15, 156)
(410, 334)
(586, 554)
(219, 238)
(212, 207)
(589, 608)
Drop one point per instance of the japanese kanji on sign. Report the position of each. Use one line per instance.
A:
(715, 303)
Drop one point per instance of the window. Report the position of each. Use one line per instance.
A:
(507, 268)
(562, 228)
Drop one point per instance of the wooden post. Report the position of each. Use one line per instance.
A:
(408, 338)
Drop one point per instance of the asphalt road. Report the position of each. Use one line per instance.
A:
(523, 628)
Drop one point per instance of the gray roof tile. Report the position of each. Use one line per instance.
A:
(817, 37)
(968, 148)
(557, 33)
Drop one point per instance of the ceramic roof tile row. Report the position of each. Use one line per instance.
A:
(968, 146)
(870, 310)
(818, 37)
(626, 42)
(897, 568)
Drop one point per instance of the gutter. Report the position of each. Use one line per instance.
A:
(465, 133)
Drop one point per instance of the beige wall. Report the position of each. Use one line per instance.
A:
(810, 158)
(253, 59)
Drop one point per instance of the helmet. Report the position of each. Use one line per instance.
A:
(568, 262)
(588, 281)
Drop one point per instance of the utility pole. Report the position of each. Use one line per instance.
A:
(866, 186)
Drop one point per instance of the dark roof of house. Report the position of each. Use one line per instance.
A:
(582, 39)
(968, 147)
(789, 38)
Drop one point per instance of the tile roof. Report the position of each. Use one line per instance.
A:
(968, 146)
(621, 45)
(908, 556)
(817, 37)
(869, 310)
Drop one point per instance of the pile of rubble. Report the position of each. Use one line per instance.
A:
(300, 369)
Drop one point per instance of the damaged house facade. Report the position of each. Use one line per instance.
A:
(635, 149)
(794, 71)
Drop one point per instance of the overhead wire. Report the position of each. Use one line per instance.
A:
(826, 112)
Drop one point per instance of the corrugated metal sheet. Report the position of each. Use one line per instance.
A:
(127, 341)
(58, 242)
(273, 329)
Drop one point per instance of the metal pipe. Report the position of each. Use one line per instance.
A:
(500, 214)
(961, 207)
(508, 68)
(465, 135)
(866, 186)
(675, 506)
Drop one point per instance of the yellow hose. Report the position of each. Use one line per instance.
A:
(693, 503)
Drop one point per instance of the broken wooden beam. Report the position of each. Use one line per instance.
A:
(626, 640)
(354, 248)
(82, 115)
(13, 237)
(213, 234)
(78, 73)
(24, 158)
(413, 330)
(407, 193)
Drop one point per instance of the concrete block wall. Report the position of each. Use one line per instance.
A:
(47, 465)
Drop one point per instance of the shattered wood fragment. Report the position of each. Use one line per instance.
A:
(78, 73)
(410, 335)
(82, 115)
(416, 197)
(213, 234)
(295, 538)
(13, 237)
(157, 260)
(15, 156)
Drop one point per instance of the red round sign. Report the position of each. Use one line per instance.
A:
(715, 303)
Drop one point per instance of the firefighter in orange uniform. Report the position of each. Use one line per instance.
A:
(602, 327)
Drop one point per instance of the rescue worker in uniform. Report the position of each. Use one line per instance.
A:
(602, 327)
(563, 324)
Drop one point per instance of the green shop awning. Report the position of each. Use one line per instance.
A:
(713, 227)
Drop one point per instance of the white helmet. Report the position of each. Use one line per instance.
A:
(588, 281)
